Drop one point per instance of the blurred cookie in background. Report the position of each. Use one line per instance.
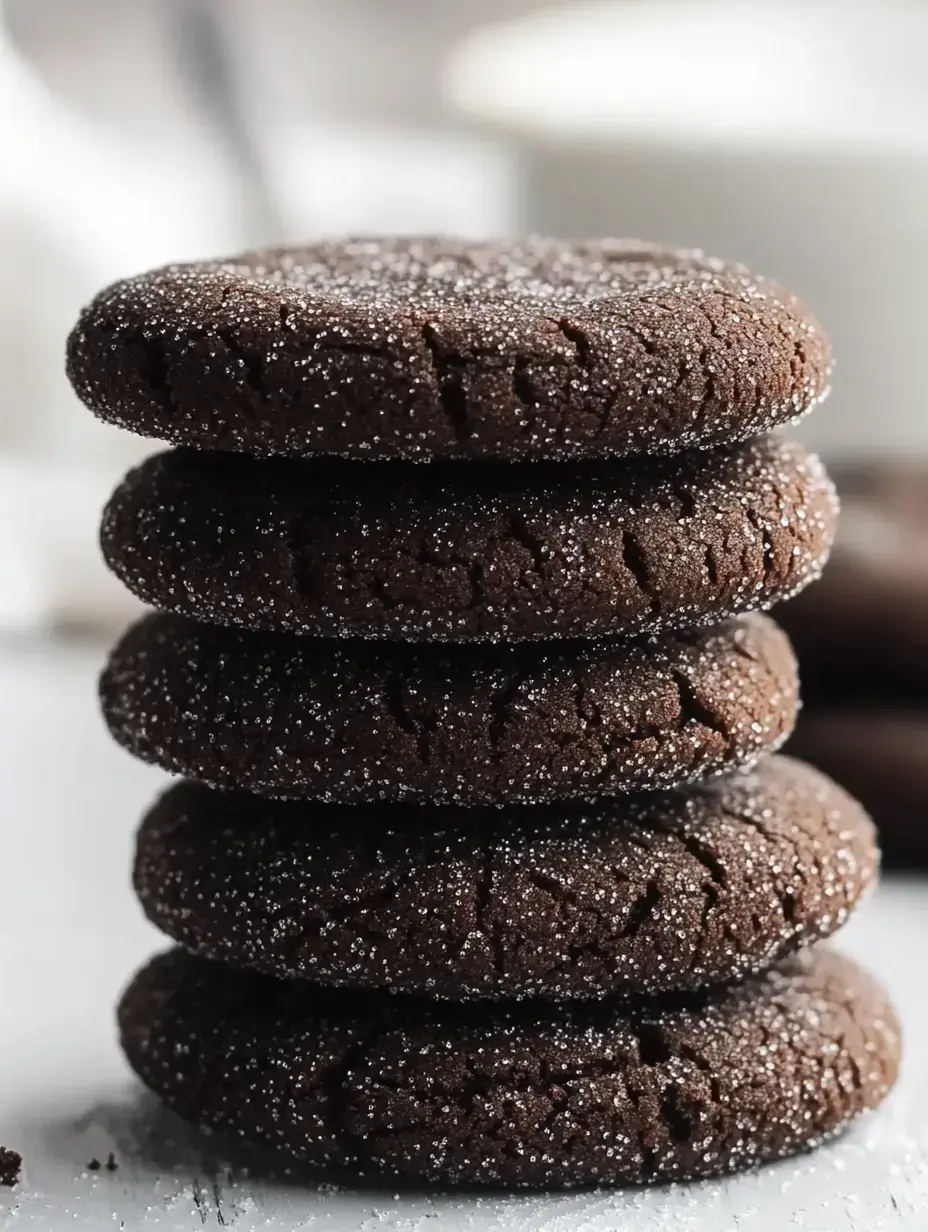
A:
(879, 752)
(862, 641)
(863, 628)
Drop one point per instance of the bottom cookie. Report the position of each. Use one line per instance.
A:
(600, 1093)
(879, 751)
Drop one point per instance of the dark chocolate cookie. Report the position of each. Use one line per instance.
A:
(864, 626)
(597, 1093)
(880, 751)
(349, 721)
(447, 552)
(11, 1164)
(634, 894)
(384, 348)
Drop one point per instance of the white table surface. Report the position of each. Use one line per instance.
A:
(70, 934)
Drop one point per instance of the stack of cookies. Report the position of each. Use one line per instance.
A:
(482, 868)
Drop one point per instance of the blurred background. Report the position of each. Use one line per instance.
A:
(792, 136)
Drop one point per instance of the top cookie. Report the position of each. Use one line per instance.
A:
(383, 348)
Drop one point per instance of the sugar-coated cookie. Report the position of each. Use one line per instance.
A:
(382, 348)
(348, 721)
(596, 1093)
(456, 553)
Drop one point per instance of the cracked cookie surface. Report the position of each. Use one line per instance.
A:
(423, 347)
(348, 721)
(598, 1093)
(476, 552)
(640, 894)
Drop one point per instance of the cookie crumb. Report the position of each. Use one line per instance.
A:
(11, 1163)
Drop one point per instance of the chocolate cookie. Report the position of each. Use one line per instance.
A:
(597, 1093)
(350, 721)
(11, 1164)
(864, 626)
(384, 348)
(634, 894)
(880, 751)
(451, 552)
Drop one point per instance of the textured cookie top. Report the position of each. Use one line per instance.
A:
(636, 895)
(451, 552)
(385, 348)
(350, 721)
(597, 1093)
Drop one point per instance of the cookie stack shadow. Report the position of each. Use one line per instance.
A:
(483, 867)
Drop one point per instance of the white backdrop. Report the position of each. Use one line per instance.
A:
(113, 161)
(789, 135)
